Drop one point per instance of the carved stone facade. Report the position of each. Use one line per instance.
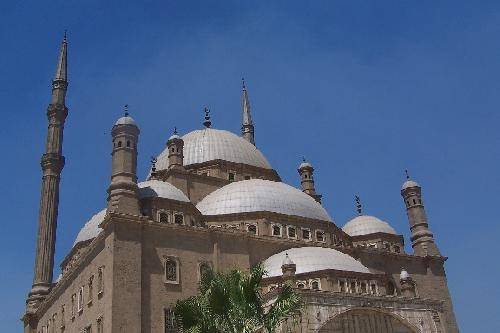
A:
(213, 200)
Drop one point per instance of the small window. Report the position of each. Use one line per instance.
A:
(387, 246)
(63, 319)
(179, 218)
(100, 324)
(306, 234)
(100, 280)
(119, 144)
(397, 249)
(173, 150)
(204, 269)
(391, 290)
(80, 300)
(353, 287)
(171, 271)
(372, 245)
(373, 289)
(91, 290)
(73, 310)
(305, 176)
(292, 232)
(231, 176)
(363, 287)
(163, 217)
(248, 177)
(170, 325)
(414, 201)
(252, 228)
(128, 144)
(301, 285)
(315, 285)
(342, 286)
(276, 229)
(320, 236)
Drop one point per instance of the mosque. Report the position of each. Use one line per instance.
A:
(213, 200)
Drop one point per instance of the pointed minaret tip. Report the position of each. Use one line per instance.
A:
(247, 128)
(62, 64)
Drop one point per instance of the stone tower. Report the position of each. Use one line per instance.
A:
(175, 146)
(123, 190)
(306, 172)
(422, 238)
(247, 128)
(52, 164)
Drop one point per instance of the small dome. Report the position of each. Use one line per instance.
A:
(212, 144)
(365, 225)
(91, 228)
(313, 259)
(409, 183)
(258, 195)
(305, 165)
(147, 189)
(160, 189)
(126, 120)
(174, 136)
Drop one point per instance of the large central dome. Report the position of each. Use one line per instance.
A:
(257, 195)
(212, 144)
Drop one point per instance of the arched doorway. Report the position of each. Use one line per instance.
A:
(366, 320)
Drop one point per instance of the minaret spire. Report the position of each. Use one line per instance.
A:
(247, 128)
(52, 164)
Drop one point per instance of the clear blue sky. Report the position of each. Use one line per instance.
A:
(363, 89)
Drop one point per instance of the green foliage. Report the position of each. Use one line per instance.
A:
(232, 303)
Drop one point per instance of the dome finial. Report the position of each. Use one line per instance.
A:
(153, 167)
(243, 83)
(125, 110)
(175, 130)
(358, 204)
(207, 121)
(407, 174)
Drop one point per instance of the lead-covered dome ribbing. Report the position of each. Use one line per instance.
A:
(258, 195)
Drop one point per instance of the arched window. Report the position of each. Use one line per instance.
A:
(276, 230)
(179, 218)
(301, 285)
(292, 232)
(163, 217)
(391, 290)
(171, 270)
(170, 324)
(204, 269)
(128, 143)
(252, 228)
(119, 144)
(315, 285)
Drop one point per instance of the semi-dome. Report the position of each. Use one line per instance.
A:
(147, 189)
(313, 259)
(212, 144)
(258, 195)
(365, 224)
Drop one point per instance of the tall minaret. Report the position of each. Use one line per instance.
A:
(421, 237)
(175, 146)
(123, 190)
(247, 129)
(52, 164)
(306, 172)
